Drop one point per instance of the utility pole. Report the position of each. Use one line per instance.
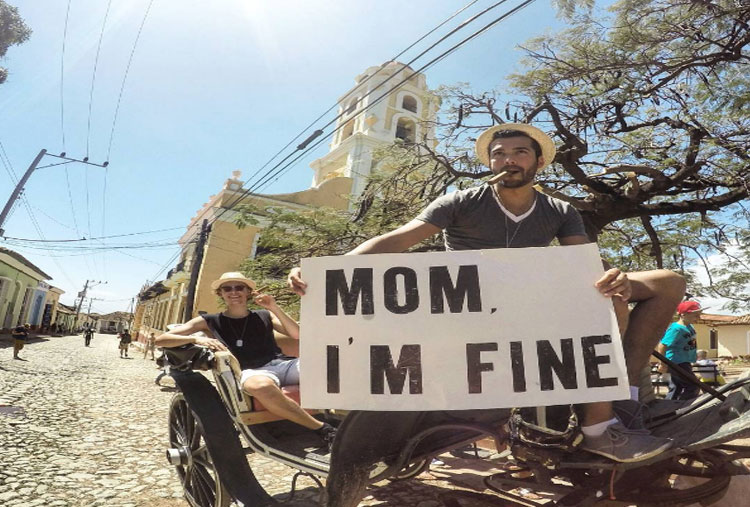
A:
(19, 186)
(195, 270)
(17, 191)
(91, 302)
(82, 295)
(132, 315)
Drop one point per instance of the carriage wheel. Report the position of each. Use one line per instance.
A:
(188, 452)
(412, 470)
(710, 480)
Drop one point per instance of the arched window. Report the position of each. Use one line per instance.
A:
(405, 130)
(409, 103)
(352, 106)
(348, 129)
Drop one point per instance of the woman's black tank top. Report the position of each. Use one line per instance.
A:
(250, 339)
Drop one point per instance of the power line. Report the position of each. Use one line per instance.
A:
(93, 76)
(266, 179)
(125, 77)
(168, 242)
(70, 200)
(8, 165)
(62, 76)
(361, 84)
(306, 148)
(98, 238)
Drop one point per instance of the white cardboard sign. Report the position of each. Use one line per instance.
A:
(497, 328)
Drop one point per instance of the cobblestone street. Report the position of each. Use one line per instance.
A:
(80, 426)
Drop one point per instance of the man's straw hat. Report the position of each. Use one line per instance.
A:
(483, 142)
(232, 276)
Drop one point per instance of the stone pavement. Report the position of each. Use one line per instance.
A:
(81, 427)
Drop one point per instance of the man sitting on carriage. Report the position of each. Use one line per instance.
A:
(510, 213)
(249, 336)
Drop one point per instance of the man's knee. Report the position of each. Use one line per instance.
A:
(661, 283)
(259, 385)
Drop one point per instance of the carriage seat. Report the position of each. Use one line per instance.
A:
(240, 405)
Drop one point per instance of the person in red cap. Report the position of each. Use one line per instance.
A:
(679, 346)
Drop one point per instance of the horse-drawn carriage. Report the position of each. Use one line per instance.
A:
(206, 420)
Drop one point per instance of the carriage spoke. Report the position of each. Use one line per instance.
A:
(205, 484)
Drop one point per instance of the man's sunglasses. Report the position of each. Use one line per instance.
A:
(233, 288)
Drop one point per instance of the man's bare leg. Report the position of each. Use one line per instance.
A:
(276, 402)
(656, 294)
(601, 411)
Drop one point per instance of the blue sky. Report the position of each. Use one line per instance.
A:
(213, 87)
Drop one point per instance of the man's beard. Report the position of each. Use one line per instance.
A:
(527, 177)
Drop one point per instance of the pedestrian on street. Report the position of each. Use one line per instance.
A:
(125, 340)
(88, 334)
(150, 346)
(20, 335)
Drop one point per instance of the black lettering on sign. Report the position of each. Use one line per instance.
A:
(381, 368)
(337, 287)
(475, 366)
(465, 289)
(390, 287)
(565, 368)
(517, 367)
(333, 368)
(591, 361)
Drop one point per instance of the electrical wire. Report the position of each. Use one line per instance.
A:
(99, 238)
(361, 84)
(276, 171)
(7, 164)
(270, 174)
(267, 178)
(223, 210)
(62, 76)
(125, 76)
(70, 200)
(383, 83)
(93, 76)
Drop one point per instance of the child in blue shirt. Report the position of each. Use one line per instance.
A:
(679, 345)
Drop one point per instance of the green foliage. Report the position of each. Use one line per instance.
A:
(13, 31)
(648, 104)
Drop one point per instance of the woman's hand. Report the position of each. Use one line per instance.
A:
(209, 343)
(264, 300)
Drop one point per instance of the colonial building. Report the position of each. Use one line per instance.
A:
(723, 335)
(23, 291)
(364, 124)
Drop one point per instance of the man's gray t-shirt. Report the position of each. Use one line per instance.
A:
(472, 219)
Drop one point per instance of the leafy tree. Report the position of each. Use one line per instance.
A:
(13, 31)
(649, 103)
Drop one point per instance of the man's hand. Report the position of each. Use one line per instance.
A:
(210, 343)
(614, 283)
(295, 282)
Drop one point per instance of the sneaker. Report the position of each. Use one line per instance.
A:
(631, 414)
(618, 443)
